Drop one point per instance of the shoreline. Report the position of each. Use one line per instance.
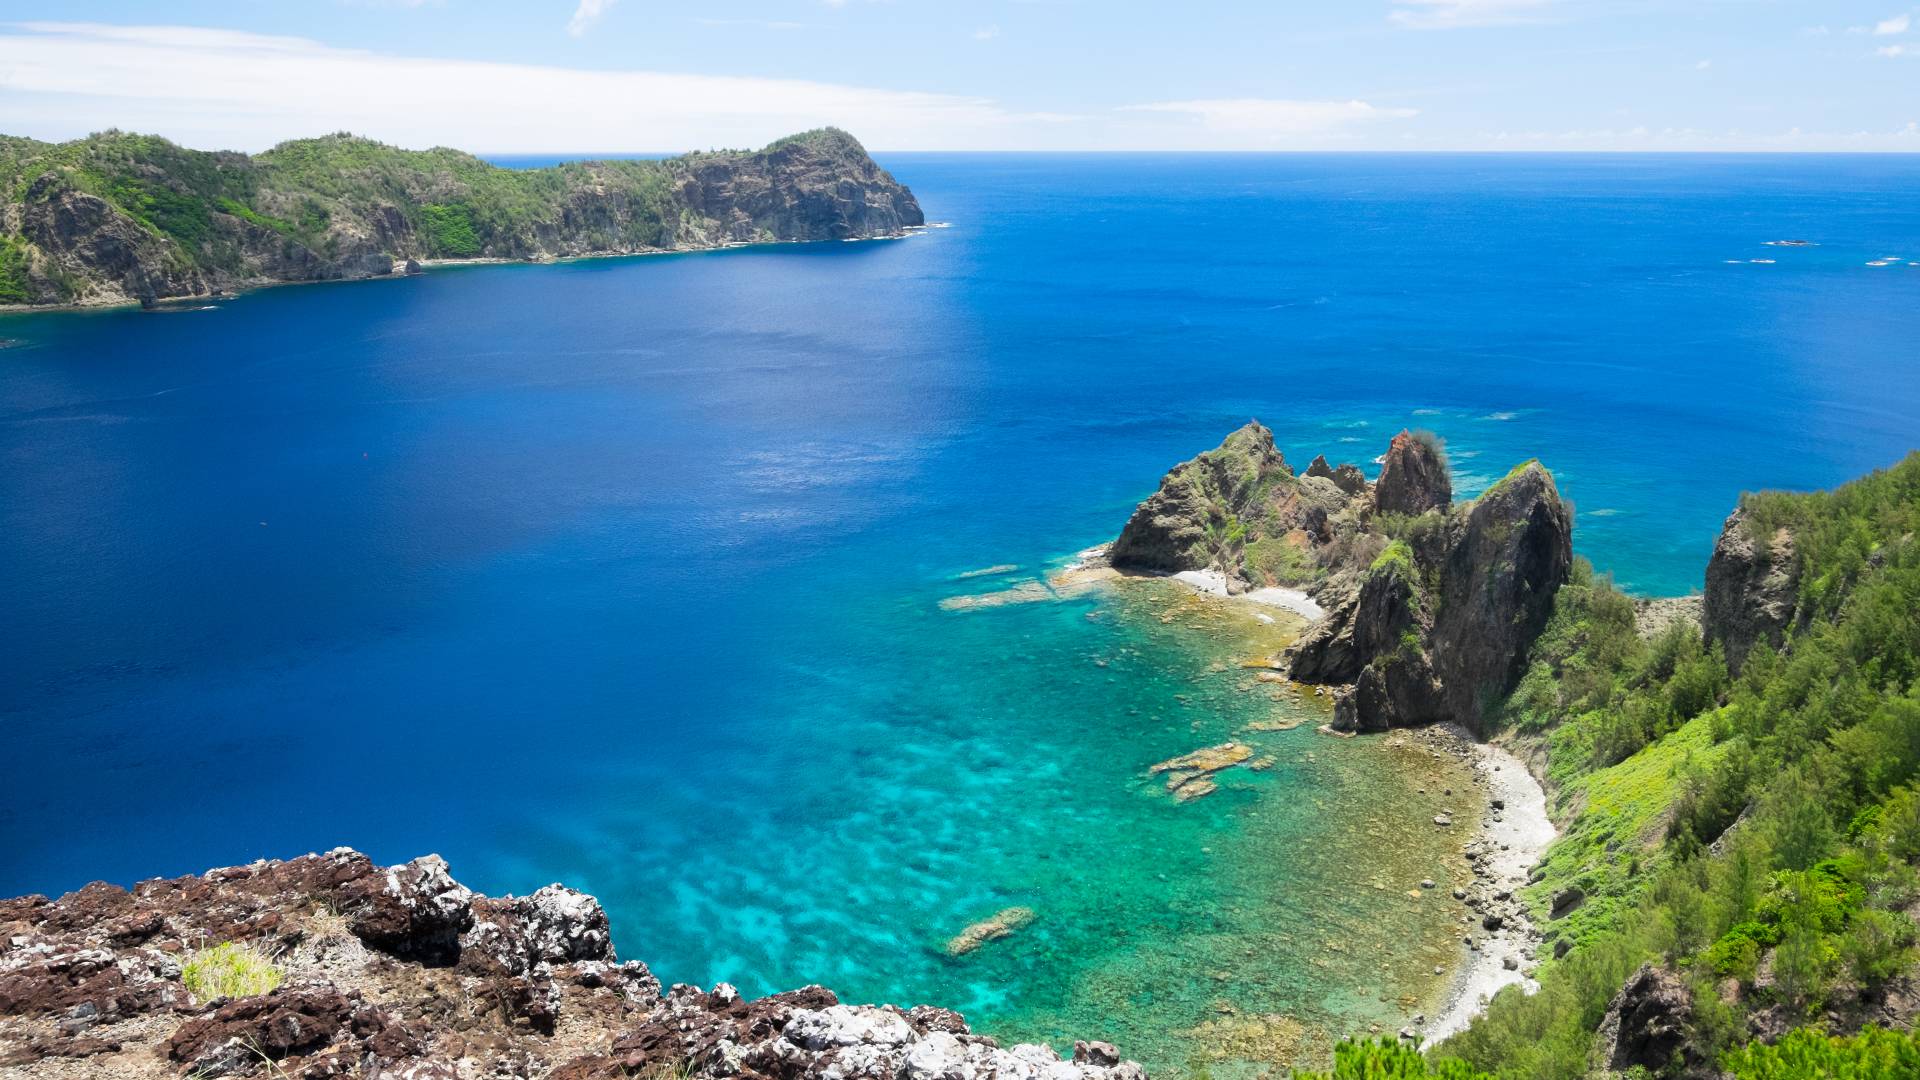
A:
(1514, 837)
(79, 306)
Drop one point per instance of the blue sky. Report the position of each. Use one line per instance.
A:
(639, 75)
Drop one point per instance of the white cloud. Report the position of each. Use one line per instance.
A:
(1889, 27)
(1448, 14)
(233, 90)
(587, 14)
(986, 33)
(1703, 65)
(1894, 50)
(1274, 120)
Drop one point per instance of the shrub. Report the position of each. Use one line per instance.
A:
(229, 971)
(1384, 1059)
(1874, 1054)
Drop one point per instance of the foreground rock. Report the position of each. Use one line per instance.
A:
(1430, 607)
(118, 218)
(402, 972)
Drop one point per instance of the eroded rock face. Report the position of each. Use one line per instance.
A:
(1439, 626)
(1649, 1024)
(401, 972)
(1508, 559)
(1752, 588)
(1413, 479)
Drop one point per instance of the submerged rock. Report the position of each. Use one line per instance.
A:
(1000, 925)
(1190, 775)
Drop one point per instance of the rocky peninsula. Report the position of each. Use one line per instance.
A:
(119, 218)
(328, 965)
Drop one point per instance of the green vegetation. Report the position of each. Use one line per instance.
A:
(1283, 562)
(1384, 1059)
(1395, 558)
(1756, 834)
(1874, 1054)
(14, 262)
(228, 970)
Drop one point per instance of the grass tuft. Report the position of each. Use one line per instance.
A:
(228, 970)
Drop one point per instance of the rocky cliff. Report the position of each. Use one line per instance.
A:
(1752, 586)
(330, 966)
(1431, 607)
(116, 218)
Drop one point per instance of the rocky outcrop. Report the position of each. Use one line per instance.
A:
(1649, 1025)
(1198, 518)
(1431, 607)
(1753, 583)
(1439, 625)
(120, 218)
(1414, 477)
(391, 972)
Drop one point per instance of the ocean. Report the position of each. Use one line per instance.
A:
(626, 572)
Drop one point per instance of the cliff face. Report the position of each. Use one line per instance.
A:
(1431, 607)
(115, 217)
(401, 972)
(1752, 584)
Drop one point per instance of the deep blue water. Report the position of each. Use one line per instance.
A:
(624, 572)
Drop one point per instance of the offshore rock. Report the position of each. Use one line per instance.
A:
(400, 971)
(1753, 584)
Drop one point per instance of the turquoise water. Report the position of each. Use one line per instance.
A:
(627, 572)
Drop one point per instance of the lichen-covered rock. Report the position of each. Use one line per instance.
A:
(1414, 478)
(1753, 584)
(402, 973)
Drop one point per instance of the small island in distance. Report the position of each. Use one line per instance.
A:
(118, 218)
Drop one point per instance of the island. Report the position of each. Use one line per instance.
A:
(118, 218)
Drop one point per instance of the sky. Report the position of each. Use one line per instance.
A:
(610, 76)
